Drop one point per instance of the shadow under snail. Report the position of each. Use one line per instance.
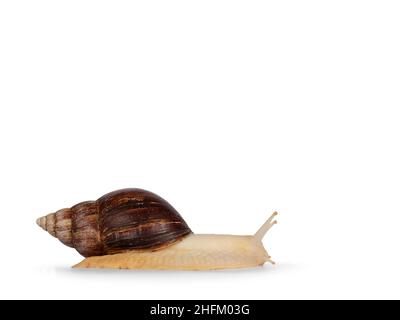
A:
(136, 229)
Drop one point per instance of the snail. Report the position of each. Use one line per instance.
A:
(137, 229)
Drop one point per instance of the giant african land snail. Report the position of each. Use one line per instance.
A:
(136, 229)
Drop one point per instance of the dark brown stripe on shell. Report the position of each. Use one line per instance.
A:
(51, 224)
(85, 229)
(62, 228)
(152, 234)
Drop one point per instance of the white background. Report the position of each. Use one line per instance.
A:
(229, 110)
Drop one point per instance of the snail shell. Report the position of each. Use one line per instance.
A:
(126, 219)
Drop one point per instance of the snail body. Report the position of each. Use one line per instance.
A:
(136, 229)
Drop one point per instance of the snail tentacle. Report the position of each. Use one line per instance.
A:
(266, 226)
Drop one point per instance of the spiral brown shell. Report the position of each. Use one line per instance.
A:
(127, 219)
